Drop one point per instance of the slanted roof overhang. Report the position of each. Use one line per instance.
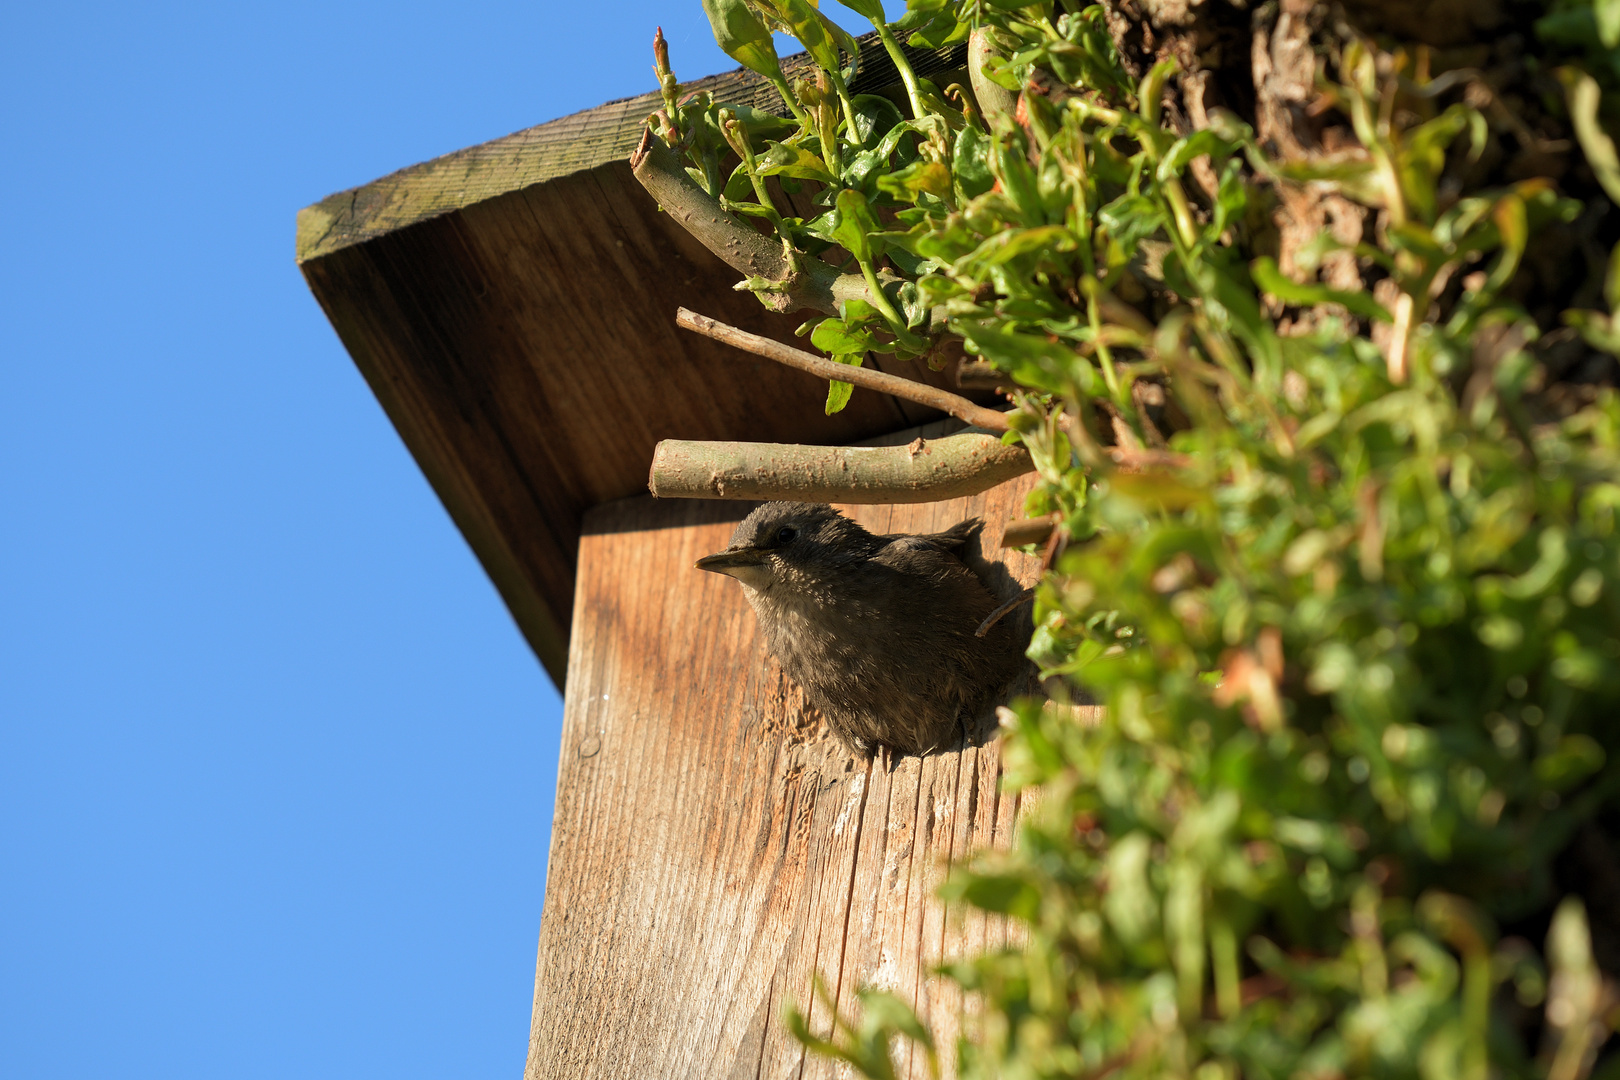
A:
(512, 305)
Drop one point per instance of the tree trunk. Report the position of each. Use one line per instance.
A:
(1266, 63)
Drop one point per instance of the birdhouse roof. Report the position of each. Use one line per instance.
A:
(512, 307)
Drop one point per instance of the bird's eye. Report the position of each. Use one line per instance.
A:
(785, 534)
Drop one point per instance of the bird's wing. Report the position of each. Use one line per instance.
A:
(950, 540)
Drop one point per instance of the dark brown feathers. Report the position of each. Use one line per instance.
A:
(878, 630)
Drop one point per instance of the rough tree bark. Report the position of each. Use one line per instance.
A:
(1264, 61)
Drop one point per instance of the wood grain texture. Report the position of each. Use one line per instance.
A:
(714, 848)
(525, 349)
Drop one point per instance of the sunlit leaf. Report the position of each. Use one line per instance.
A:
(856, 226)
(784, 159)
(1007, 895)
(742, 36)
(1273, 281)
(838, 393)
(838, 337)
(919, 177)
(870, 9)
(1584, 98)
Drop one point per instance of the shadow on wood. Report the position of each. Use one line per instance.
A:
(714, 845)
(512, 307)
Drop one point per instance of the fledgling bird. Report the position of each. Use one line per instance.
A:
(879, 631)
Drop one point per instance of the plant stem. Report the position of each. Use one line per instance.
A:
(907, 76)
(848, 108)
(737, 135)
(786, 93)
(1182, 211)
(880, 300)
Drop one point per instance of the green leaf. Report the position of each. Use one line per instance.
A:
(856, 226)
(1033, 360)
(1186, 149)
(875, 117)
(1149, 97)
(1011, 168)
(844, 39)
(841, 339)
(1011, 243)
(1068, 61)
(746, 207)
(933, 32)
(810, 27)
(838, 392)
(1423, 156)
(738, 186)
(857, 311)
(743, 37)
(867, 9)
(970, 162)
(917, 178)
(1513, 225)
(763, 126)
(1357, 179)
(1000, 71)
(1130, 219)
(1576, 27)
(787, 159)
(1607, 13)
(1131, 904)
(909, 263)
(1273, 281)
(1231, 199)
(913, 304)
(1584, 98)
(883, 1011)
(1007, 895)
(1576, 758)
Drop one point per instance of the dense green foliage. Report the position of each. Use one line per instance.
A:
(1351, 592)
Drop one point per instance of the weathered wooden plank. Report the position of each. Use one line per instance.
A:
(714, 848)
(511, 305)
(525, 349)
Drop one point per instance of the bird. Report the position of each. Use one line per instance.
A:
(882, 632)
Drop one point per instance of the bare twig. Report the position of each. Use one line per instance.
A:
(1056, 543)
(927, 470)
(1028, 531)
(995, 616)
(921, 393)
(982, 375)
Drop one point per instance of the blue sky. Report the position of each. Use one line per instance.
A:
(276, 769)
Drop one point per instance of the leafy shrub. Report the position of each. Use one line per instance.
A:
(1341, 562)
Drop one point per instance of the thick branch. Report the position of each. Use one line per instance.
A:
(1027, 531)
(928, 470)
(982, 375)
(921, 393)
(993, 100)
(814, 284)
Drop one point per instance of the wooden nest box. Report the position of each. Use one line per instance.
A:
(713, 849)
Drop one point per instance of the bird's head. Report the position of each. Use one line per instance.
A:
(790, 543)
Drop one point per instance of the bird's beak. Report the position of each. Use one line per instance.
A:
(730, 562)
